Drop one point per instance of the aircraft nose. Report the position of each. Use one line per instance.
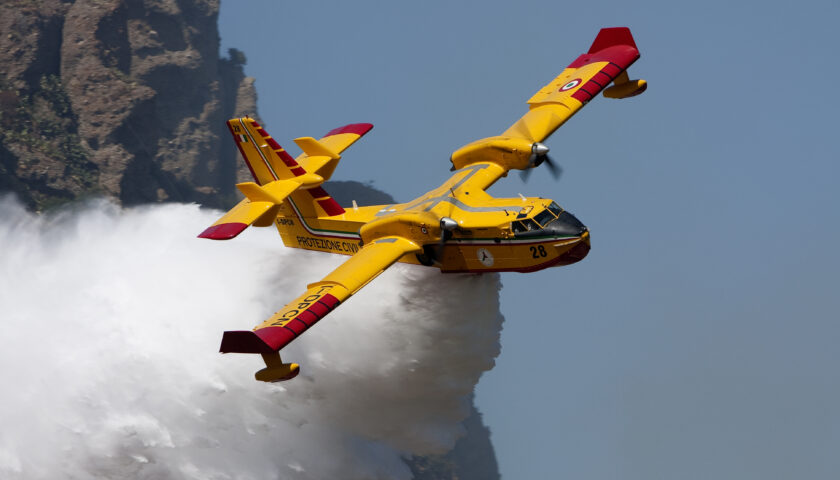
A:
(567, 225)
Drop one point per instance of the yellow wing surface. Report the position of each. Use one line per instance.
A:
(320, 298)
(607, 60)
(612, 52)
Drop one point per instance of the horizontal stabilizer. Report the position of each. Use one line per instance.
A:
(223, 231)
(237, 219)
(258, 208)
(338, 139)
(321, 156)
(314, 148)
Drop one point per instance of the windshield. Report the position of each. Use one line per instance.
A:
(555, 209)
(544, 218)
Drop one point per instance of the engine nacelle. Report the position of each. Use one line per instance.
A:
(508, 152)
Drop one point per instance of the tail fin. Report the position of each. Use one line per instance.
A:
(266, 159)
(278, 175)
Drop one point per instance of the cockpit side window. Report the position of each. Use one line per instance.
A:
(555, 209)
(524, 225)
(530, 224)
(544, 218)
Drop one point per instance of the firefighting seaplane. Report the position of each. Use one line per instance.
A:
(456, 227)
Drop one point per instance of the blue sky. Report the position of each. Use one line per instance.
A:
(699, 337)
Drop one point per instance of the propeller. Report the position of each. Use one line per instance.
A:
(539, 155)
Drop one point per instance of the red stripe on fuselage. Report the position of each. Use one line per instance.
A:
(318, 192)
(326, 201)
(331, 207)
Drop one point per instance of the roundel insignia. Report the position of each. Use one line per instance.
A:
(485, 257)
(572, 84)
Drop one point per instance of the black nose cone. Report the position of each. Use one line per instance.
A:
(566, 225)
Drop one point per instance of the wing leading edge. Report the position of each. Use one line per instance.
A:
(319, 299)
(612, 52)
(607, 60)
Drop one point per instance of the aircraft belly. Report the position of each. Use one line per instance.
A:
(512, 255)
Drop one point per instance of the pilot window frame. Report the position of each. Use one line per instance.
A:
(524, 225)
(546, 216)
(555, 209)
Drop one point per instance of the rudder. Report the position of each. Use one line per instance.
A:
(266, 159)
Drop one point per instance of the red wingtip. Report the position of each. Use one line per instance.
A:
(609, 37)
(243, 341)
(223, 231)
(264, 340)
(357, 128)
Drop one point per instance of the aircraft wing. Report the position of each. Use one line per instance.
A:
(612, 52)
(319, 299)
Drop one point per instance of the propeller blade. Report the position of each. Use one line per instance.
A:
(447, 226)
(556, 170)
(439, 247)
(539, 155)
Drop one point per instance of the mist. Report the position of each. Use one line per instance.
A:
(111, 323)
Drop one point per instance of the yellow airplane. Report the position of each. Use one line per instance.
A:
(456, 227)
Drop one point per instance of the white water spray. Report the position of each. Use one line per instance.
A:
(111, 321)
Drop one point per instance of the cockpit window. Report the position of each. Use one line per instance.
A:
(555, 209)
(544, 218)
(530, 224)
(525, 225)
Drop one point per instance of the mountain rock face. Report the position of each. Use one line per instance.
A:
(120, 98)
(128, 99)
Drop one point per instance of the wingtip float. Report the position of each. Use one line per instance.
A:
(456, 227)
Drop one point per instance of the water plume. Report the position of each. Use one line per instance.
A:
(111, 322)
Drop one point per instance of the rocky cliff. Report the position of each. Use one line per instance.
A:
(120, 98)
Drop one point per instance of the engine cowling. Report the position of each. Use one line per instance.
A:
(508, 152)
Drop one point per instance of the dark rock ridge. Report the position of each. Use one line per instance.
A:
(473, 457)
(119, 98)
